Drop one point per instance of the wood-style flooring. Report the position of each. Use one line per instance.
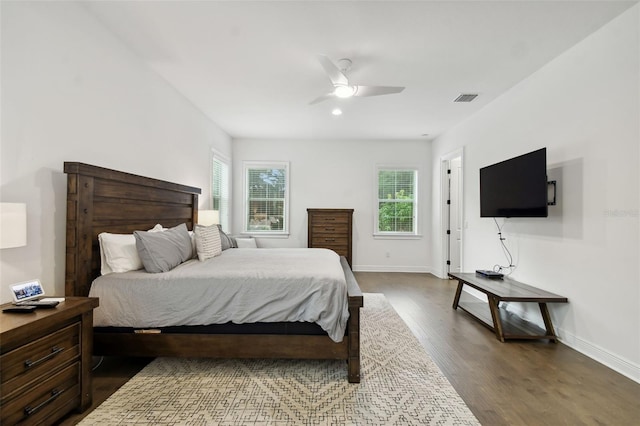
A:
(514, 383)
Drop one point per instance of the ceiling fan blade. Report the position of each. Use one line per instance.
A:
(377, 90)
(322, 98)
(335, 75)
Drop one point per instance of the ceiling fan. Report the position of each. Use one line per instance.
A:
(341, 86)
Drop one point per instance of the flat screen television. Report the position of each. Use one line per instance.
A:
(516, 187)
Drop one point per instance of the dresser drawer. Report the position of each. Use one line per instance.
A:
(47, 400)
(330, 218)
(341, 229)
(341, 251)
(329, 240)
(38, 359)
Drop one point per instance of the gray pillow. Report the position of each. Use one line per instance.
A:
(227, 241)
(163, 251)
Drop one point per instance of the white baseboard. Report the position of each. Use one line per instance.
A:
(623, 366)
(593, 351)
(382, 268)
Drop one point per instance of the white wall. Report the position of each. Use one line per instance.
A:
(342, 174)
(72, 92)
(584, 106)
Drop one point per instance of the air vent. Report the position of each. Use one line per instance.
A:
(466, 97)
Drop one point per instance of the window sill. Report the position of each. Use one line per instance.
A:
(265, 234)
(397, 236)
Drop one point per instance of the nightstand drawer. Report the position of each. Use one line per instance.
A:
(47, 400)
(38, 359)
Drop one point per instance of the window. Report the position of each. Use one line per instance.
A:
(397, 201)
(266, 198)
(220, 188)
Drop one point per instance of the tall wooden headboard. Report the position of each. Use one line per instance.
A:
(104, 200)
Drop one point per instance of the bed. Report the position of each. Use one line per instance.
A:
(104, 200)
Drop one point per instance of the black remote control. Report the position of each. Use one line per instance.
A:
(20, 309)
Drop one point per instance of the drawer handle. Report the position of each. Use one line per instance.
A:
(329, 229)
(329, 218)
(54, 351)
(54, 394)
(329, 239)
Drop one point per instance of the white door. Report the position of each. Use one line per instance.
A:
(455, 215)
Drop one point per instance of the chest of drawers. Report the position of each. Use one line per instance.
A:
(45, 362)
(332, 229)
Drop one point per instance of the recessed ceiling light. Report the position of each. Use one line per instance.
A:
(336, 111)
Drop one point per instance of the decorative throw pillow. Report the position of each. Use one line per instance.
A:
(226, 241)
(163, 251)
(208, 243)
(246, 242)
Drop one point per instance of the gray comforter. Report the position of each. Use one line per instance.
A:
(241, 286)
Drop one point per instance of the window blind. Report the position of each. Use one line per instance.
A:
(397, 201)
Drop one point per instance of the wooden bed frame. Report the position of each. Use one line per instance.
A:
(104, 200)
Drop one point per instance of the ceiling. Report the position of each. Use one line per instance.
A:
(251, 67)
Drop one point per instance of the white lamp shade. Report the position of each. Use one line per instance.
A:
(208, 217)
(13, 225)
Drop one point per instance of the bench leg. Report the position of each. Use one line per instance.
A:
(495, 315)
(456, 299)
(547, 322)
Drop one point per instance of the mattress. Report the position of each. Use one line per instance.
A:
(240, 286)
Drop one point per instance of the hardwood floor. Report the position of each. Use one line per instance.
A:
(515, 383)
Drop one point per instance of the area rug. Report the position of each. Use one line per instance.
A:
(400, 385)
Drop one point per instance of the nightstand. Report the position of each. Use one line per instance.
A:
(45, 362)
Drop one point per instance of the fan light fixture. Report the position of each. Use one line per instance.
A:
(342, 88)
(344, 91)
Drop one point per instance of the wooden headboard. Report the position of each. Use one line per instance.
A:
(104, 200)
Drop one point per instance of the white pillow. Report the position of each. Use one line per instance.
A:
(208, 243)
(246, 242)
(118, 252)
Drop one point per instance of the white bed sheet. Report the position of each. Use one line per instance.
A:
(241, 286)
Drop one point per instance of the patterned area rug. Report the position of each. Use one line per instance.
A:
(400, 385)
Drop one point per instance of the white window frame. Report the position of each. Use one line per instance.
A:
(225, 188)
(250, 165)
(416, 205)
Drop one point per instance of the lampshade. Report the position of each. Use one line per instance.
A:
(208, 217)
(13, 225)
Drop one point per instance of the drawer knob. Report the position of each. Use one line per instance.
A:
(30, 410)
(54, 351)
(329, 239)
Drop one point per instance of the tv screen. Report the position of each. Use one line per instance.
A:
(516, 187)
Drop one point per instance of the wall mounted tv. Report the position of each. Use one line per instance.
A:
(516, 187)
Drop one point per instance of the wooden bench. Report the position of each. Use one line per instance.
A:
(505, 324)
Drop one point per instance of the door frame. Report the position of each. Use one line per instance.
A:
(444, 209)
